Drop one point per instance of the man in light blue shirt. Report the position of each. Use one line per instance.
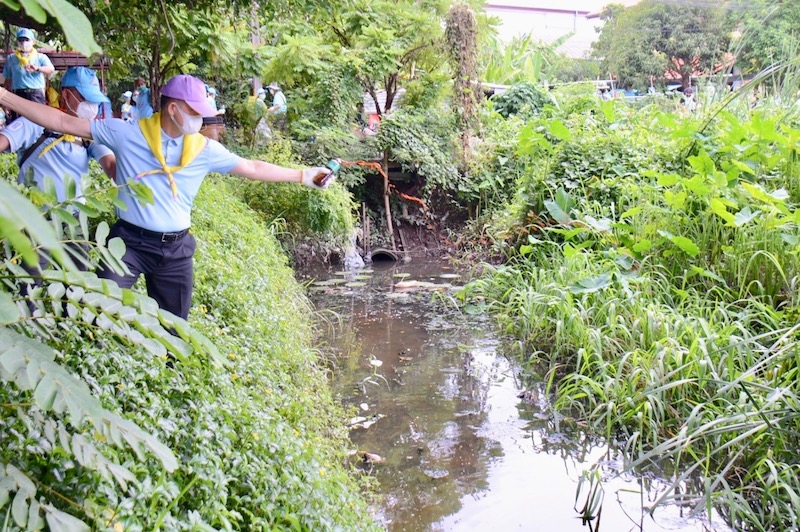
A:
(25, 69)
(141, 94)
(167, 154)
(43, 155)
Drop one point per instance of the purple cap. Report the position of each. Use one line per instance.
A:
(192, 91)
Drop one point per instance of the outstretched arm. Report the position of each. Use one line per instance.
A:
(271, 173)
(46, 116)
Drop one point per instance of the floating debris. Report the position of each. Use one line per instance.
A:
(364, 406)
(436, 473)
(372, 458)
(355, 284)
(405, 359)
(402, 275)
(449, 276)
(421, 285)
(363, 422)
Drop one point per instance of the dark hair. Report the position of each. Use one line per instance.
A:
(165, 101)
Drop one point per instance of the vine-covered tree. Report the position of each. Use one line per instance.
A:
(462, 42)
(655, 39)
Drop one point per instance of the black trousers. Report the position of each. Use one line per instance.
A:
(165, 259)
(34, 95)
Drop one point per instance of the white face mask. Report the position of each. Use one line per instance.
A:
(191, 123)
(87, 110)
(26, 46)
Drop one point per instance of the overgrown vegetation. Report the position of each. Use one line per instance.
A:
(652, 262)
(110, 421)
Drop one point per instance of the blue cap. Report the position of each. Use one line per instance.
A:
(261, 91)
(211, 90)
(85, 80)
(25, 33)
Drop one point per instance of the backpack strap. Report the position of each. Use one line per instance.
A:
(46, 134)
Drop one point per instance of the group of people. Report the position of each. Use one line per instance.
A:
(163, 150)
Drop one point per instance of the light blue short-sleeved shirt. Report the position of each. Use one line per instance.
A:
(280, 100)
(134, 157)
(21, 78)
(143, 107)
(65, 158)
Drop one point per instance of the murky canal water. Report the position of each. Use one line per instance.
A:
(438, 405)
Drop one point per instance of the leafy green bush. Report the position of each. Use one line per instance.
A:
(525, 98)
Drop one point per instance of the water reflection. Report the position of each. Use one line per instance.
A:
(460, 450)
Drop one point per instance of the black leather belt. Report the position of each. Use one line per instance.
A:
(163, 237)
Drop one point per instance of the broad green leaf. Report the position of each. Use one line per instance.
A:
(117, 247)
(34, 10)
(602, 225)
(23, 225)
(685, 244)
(560, 131)
(9, 312)
(19, 508)
(591, 284)
(744, 216)
(757, 193)
(64, 216)
(630, 213)
(101, 234)
(58, 521)
(668, 180)
(743, 167)
(76, 27)
(557, 212)
(719, 208)
(642, 246)
(45, 393)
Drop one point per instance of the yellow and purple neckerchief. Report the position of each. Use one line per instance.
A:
(192, 146)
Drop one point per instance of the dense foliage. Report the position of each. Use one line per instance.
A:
(110, 420)
(652, 267)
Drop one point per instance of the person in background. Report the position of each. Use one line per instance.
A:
(48, 154)
(279, 107)
(688, 100)
(126, 109)
(141, 95)
(211, 96)
(166, 153)
(25, 69)
(261, 96)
